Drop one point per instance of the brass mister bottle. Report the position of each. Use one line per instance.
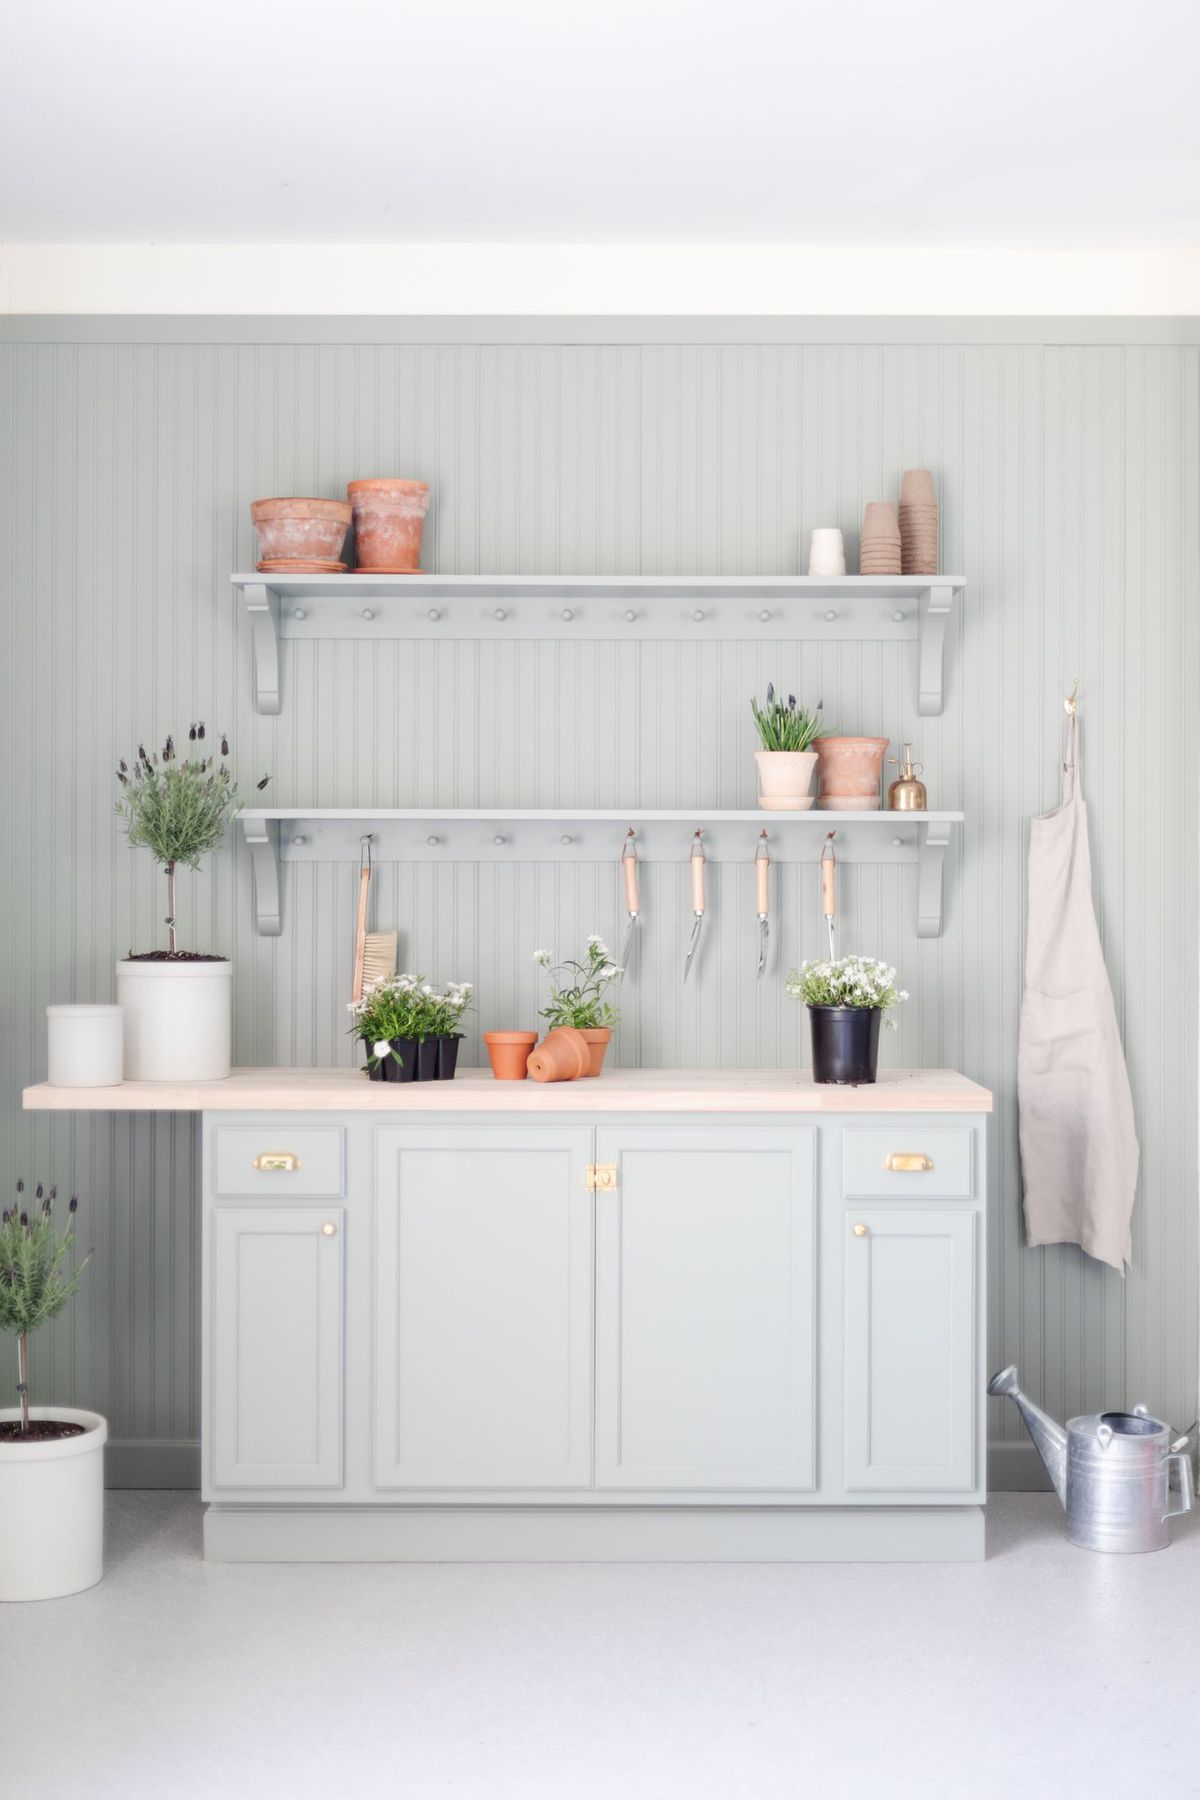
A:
(907, 794)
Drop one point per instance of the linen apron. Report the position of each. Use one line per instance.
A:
(1079, 1149)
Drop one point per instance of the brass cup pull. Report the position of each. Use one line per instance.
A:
(908, 1162)
(860, 1231)
(284, 1162)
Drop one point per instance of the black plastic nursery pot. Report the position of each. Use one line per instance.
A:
(447, 1055)
(427, 1059)
(845, 1044)
(399, 1065)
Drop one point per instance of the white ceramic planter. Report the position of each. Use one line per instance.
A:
(85, 1046)
(178, 1020)
(785, 779)
(52, 1505)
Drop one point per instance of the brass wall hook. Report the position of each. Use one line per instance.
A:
(1071, 703)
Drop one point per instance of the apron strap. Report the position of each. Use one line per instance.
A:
(1070, 782)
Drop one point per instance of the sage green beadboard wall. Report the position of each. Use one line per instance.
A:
(1070, 487)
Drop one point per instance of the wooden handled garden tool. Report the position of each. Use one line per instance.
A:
(762, 897)
(629, 869)
(829, 889)
(697, 862)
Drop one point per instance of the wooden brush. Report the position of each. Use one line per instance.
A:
(374, 951)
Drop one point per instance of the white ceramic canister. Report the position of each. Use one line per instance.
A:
(178, 1019)
(826, 551)
(85, 1046)
(52, 1504)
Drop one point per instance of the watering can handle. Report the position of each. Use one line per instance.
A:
(1187, 1493)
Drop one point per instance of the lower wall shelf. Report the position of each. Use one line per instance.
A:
(491, 834)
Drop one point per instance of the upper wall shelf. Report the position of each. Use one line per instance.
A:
(496, 608)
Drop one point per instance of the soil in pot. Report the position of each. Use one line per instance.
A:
(40, 1431)
(845, 1044)
(508, 1053)
(598, 1037)
(172, 956)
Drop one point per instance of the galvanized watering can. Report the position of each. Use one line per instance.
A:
(1110, 1470)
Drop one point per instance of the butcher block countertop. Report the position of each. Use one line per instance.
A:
(476, 1091)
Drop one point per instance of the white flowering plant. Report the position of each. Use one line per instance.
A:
(578, 989)
(858, 981)
(408, 1006)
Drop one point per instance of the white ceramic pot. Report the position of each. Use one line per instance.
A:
(52, 1505)
(826, 551)
(85, 1046)
(785, 779)
(178, 1020)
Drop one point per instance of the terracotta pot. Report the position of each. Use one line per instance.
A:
(508, 1052)
(388, 518)
(785, 779)
(299, 530)
(850, 770)
(599, 1037)
(563, 1055)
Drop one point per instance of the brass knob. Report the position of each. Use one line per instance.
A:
(283, 1162)
(329, 1229)
(860, 1231)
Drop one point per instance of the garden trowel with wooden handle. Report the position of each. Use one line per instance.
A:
(762, 897)
(829, 889)
(697, 862)
(629, 869)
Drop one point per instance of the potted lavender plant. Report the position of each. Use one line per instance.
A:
(847, 1001)
(51, 1457)
(178, 1003)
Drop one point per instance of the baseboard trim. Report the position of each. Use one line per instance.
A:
(1016, 1469)
(152, 1463)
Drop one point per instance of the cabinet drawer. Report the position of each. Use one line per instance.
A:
(284, 1161)
(909, 1162)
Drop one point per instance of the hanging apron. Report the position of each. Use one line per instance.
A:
(1079, 1150)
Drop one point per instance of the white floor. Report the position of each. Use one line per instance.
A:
(1043, 1672)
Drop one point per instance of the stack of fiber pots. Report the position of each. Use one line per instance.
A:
(879, 552)
(389, 515)
(918, 523)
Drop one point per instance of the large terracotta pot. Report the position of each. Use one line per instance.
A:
(785, 779)
(299, 530)
(508, 1053)
(562, 1055)
(388, 519)
(850, 769)
(599, 1037)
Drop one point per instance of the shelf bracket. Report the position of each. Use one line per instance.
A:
(933, 615)
(262, 609)
(262, 837)
(930, 859)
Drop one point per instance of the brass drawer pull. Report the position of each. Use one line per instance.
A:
(284, 1162)
(908, 1162)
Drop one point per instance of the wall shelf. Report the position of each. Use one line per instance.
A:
(496, 608)
(277, 835)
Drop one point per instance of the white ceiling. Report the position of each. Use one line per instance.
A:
(871, 122)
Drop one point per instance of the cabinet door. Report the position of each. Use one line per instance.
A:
(911, 1362)
(483, 1325)
(275, 1326)
(705, 1309)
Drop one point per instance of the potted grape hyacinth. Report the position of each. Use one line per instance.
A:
(786, 760)
(847, 1001)
(409, 1029)
(178, 1003)
(577, 997)
(51, 1457)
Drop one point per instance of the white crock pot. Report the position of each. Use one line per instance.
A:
(178, 1019)
(52, 1508)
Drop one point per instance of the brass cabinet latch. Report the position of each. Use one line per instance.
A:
(908, 1162)
(602, 1178)
(285, 1161)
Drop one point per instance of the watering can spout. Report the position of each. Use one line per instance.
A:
(1050, 1440)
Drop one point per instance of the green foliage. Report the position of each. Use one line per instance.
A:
(787, 727)
(857, 981)
(408, 1006)
(36, 1279)
(577, 989)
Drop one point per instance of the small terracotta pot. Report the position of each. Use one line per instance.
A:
(299, 530)
(785, 779)
(563, 1055)
(388, 519)
(508, 1052)
(599, 1037)
(850, 770)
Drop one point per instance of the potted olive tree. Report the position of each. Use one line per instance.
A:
(786, 760)
(51, 1457)
(178, 1003)
(847, 1001)
(577, 997)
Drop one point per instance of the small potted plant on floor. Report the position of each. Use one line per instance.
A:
(51, 1457)
(786, 762)
(847, 1000)
(577, 997)
(178, 1003)
(408, 1028)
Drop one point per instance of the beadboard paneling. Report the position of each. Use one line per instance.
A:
(1070, 476)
